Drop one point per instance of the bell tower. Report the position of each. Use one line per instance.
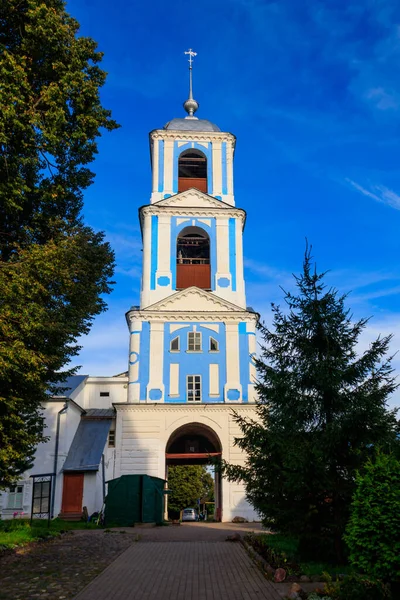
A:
(192, 338)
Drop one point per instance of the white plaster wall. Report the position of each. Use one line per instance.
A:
(45, 453)
(93, 491)
(144, 431)
(146, 264)
(116, 386)
(156, 360)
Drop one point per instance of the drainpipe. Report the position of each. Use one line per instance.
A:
(103, 473)
(53, 489)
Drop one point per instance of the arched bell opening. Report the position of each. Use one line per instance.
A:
(192, 171)
(193, 259)
(196, 444)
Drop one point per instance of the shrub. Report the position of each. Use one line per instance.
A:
(373, 531)
(356, 587)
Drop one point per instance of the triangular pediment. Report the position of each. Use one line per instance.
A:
(193, 199)
(194, 299)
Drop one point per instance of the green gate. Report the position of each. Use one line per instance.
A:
(134, 499)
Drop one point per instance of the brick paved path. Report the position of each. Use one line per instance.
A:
(190, 570)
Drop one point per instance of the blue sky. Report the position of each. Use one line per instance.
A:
(312, 92)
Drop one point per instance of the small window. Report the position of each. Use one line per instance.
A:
(15, 497)
(104, 394)
(194, 388)
(214, 347)
(174, 347)
(111, 439)
(194, 341)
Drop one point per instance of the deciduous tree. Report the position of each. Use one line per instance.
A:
(188, 483)
(54, 270)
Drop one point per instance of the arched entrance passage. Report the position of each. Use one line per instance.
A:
(195, 444)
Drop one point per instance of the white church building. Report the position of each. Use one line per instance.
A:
(192, 342)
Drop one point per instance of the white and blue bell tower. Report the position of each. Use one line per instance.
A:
(192, 338)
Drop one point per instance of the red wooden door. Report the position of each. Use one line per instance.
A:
(72, 493)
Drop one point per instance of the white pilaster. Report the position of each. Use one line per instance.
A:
(155, 165)
(229, 167)
(164, 254)
(217, 168)
(222, 235)
(168, 166)
(240, 286)
(156, 362)
(232, 362)
(144, 296)
(134, 360)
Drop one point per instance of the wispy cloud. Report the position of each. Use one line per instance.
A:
(383, 99)
(380, 193)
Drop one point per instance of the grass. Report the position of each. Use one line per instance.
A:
(282, 550)
(18, 532)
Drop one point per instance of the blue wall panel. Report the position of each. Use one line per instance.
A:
(154, 251)
(144, 356)
(232, 252)
(195, 363)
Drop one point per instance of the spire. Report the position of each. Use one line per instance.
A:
(190, 105)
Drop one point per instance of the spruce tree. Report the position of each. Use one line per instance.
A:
(321, 412)
(54, 270)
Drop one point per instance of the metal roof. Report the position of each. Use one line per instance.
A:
(99, 413)
(88, 445)
(191, 124)
(68, 386)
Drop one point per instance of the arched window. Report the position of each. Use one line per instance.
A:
(193, 259)
(192, 171)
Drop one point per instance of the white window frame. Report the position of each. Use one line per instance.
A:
(179, 344)
(196, 345)
(193, 384)
(216, 341)
(15, 497)
(111, 439)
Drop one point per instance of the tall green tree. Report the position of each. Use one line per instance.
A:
(321, 412)
(54, 270)
(187, 484)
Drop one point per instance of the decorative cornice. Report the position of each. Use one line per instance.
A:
(191, 136)
(184, 407)
(153, 209)
(162, 316)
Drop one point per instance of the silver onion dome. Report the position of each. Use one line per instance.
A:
(191, 105)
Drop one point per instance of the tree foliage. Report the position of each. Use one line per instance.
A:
(188, 483)
(321, 411)
(53, 269)
(373, 531)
